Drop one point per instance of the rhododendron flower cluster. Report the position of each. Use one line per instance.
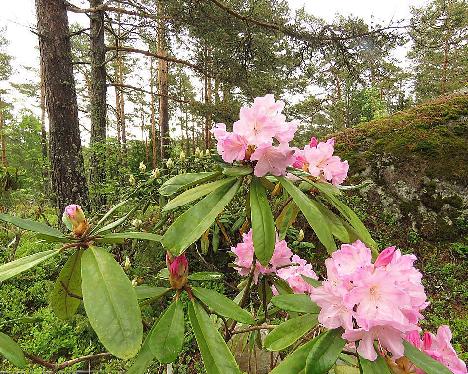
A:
(439, 348)
(261, 134)
(371, 301)
(286, 265)
(317, 159)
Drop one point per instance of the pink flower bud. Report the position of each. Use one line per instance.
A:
(313, 141)
(178, 270)
(413, 338)
(385, 257)
(75, 220)
(427, 341)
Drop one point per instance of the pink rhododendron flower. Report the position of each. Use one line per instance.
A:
(299, 159)
(380, 301)
(293, 275)
(272, 159)
(439, 348)
(389, 337)
(230, 146)
(281, 255)
(74, 219)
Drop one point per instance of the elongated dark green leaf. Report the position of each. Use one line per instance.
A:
(185, 180)
(205, 276)
(30, 225)
(216, 355)
(341, 230)
(295, 303)
(149, 292)
(263, 225)
(312, 214)
(223, 305)
(288, 332)
(24, 263)
(296, 361)
(313, 282)
(133, 235)
(423, 361)
(379, 366)
(108, 213)
(353, 219)
(144, 358)
(195, 193)
(67, 285)
(324, 352)
(111, 303)
(116, 223)
(286, 218)
(168, 335)
(11, 351)
(189, 226)
(237, 171)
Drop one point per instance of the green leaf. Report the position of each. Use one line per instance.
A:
(145, 356)
(181, 181)
(353, 219)
(296, 361)
(16, 267)
(237, 171)
(167, 337)
(111, 303)
(108, 213)
(286, 219)
(68, 283)
(223, 305)
(263, 226)
(216, 355)
(11, 351)
(132, 235)
(311, 213)
(379, 366)
(195, 193)
(423, 361)
(295, 303)
(30, 225)
(116, 223)
(313, 282)
(325, 351)
(189, 226)
(149, 292)
(288, 332)
(205, 276)
(341, 230)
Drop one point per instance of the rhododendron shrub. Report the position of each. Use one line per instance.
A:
(363, 317)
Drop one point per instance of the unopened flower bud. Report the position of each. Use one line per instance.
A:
(178, 270)
(142, 167)
(197, 152)
(385, 257)
(75, 220)
(135, 282)
(131, 180)
(170, 163)
(313, 142)
(155, 173)
(127, 263)
(427, 341)
(137, 222)
(300, 235)
(207, 153)
(182, 156)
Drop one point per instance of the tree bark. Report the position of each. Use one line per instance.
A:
(207, 95)
(45, 153)
(98, 102)
(163, 86)
(154, 146)
(2, 136)
(68, 177)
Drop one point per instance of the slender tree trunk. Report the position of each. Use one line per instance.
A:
(154, 146)
(163, 87)
(68, 177)
(45, 154)
(2, 136)
(98, 91)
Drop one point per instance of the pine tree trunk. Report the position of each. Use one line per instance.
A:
(2, 136)
(163, 87)
(154, 146)
(68, 177)
(45, 153)
(98, 91)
